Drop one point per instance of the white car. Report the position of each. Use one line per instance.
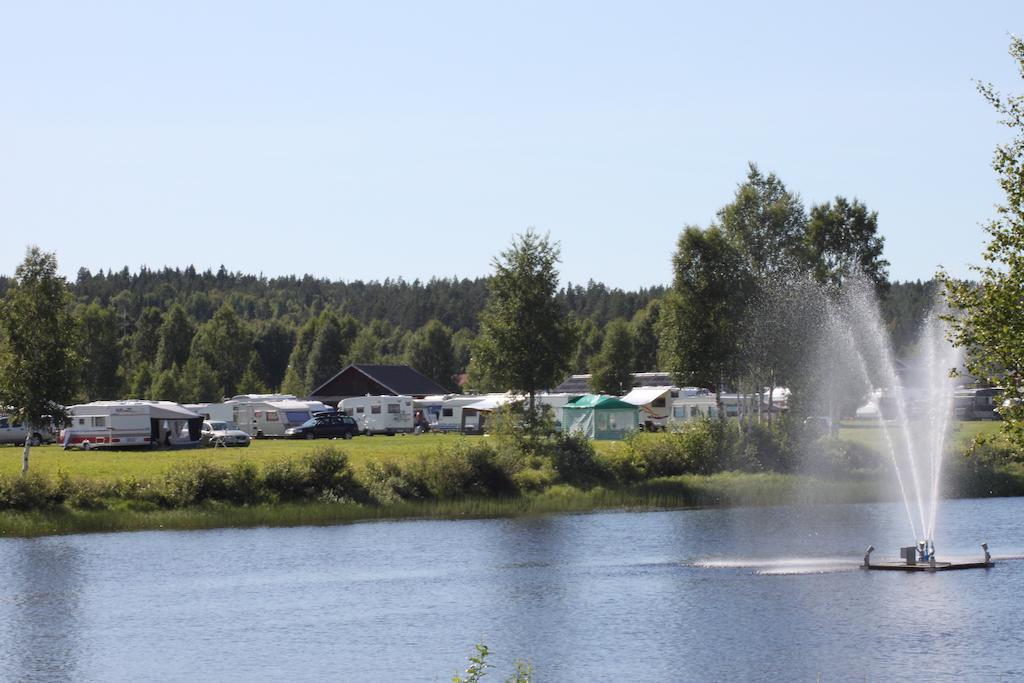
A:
(220, 433)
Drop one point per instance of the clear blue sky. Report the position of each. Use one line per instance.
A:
(384, 139)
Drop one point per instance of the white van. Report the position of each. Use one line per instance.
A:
(380, 414)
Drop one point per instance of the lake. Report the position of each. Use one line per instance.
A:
(681, 595)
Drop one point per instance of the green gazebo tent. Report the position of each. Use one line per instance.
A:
(599, 417)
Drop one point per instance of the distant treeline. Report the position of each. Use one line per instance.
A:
(190, 335)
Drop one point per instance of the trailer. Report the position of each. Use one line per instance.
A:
(686, 408)
(452, 415)
(388, 415)
(131, 424)
(262, 415)
(475, 414)
(654, 404)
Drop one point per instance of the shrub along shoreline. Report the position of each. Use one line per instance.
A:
(707, 464)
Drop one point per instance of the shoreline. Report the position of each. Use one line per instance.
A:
(722, 490)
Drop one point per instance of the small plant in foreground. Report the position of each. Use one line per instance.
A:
(478, 666)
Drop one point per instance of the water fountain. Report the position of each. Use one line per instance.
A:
(914, 423)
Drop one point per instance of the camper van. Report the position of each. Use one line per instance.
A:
(131, 424)
(262, 415)
(380, 414)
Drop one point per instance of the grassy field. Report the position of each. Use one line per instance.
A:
(112, 465)
(101, 464)
(870, 435)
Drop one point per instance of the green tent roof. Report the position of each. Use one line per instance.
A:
(599, 402)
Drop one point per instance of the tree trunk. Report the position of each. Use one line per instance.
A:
(771, 401)
(24, 454)
(718, 400)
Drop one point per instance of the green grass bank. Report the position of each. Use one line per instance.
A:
(289, 483)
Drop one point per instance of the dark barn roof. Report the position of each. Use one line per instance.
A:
(360, 379)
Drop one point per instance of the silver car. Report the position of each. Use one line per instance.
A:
(221, 433)
(15, 432)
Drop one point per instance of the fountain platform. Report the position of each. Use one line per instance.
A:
(938, 567)
(921, 558)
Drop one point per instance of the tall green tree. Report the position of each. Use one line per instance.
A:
(294, 381)
(702, 314)
(333, 339)
(38, 363)
(196, 382)
(462, 347)
(252, 379)
(430, 351)
(378, 342)
(175, 338)
(366, 347)
(144, 340)
(274, 342)
(588, 343)
(99, 349)
(141, 382)
(991, 327)
(526, 339)
(611, 370)
(842, 240)
(224, 342)
(766, 223)
(169, 386)
(645, 324)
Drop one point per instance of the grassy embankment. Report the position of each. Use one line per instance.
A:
(142, 467)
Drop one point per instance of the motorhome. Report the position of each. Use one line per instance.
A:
(131, 424)
(262, 415)
(380, 414)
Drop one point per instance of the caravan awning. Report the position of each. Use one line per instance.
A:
(641, 396)
(488, 403)
(171, 411)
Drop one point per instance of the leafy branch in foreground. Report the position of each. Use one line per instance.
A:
(478, 666)
(991, 322)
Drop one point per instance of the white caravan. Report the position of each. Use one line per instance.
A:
(262, 415)
(692, 407)
(452, 415)
(655, 405)
(430, 407)
(380, 414)
(492, 402)
(131, 424)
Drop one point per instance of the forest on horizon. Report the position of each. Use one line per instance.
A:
(186, 334)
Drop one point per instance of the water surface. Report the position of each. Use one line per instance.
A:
(740, 594)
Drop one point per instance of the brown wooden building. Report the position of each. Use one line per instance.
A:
(360, 379)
